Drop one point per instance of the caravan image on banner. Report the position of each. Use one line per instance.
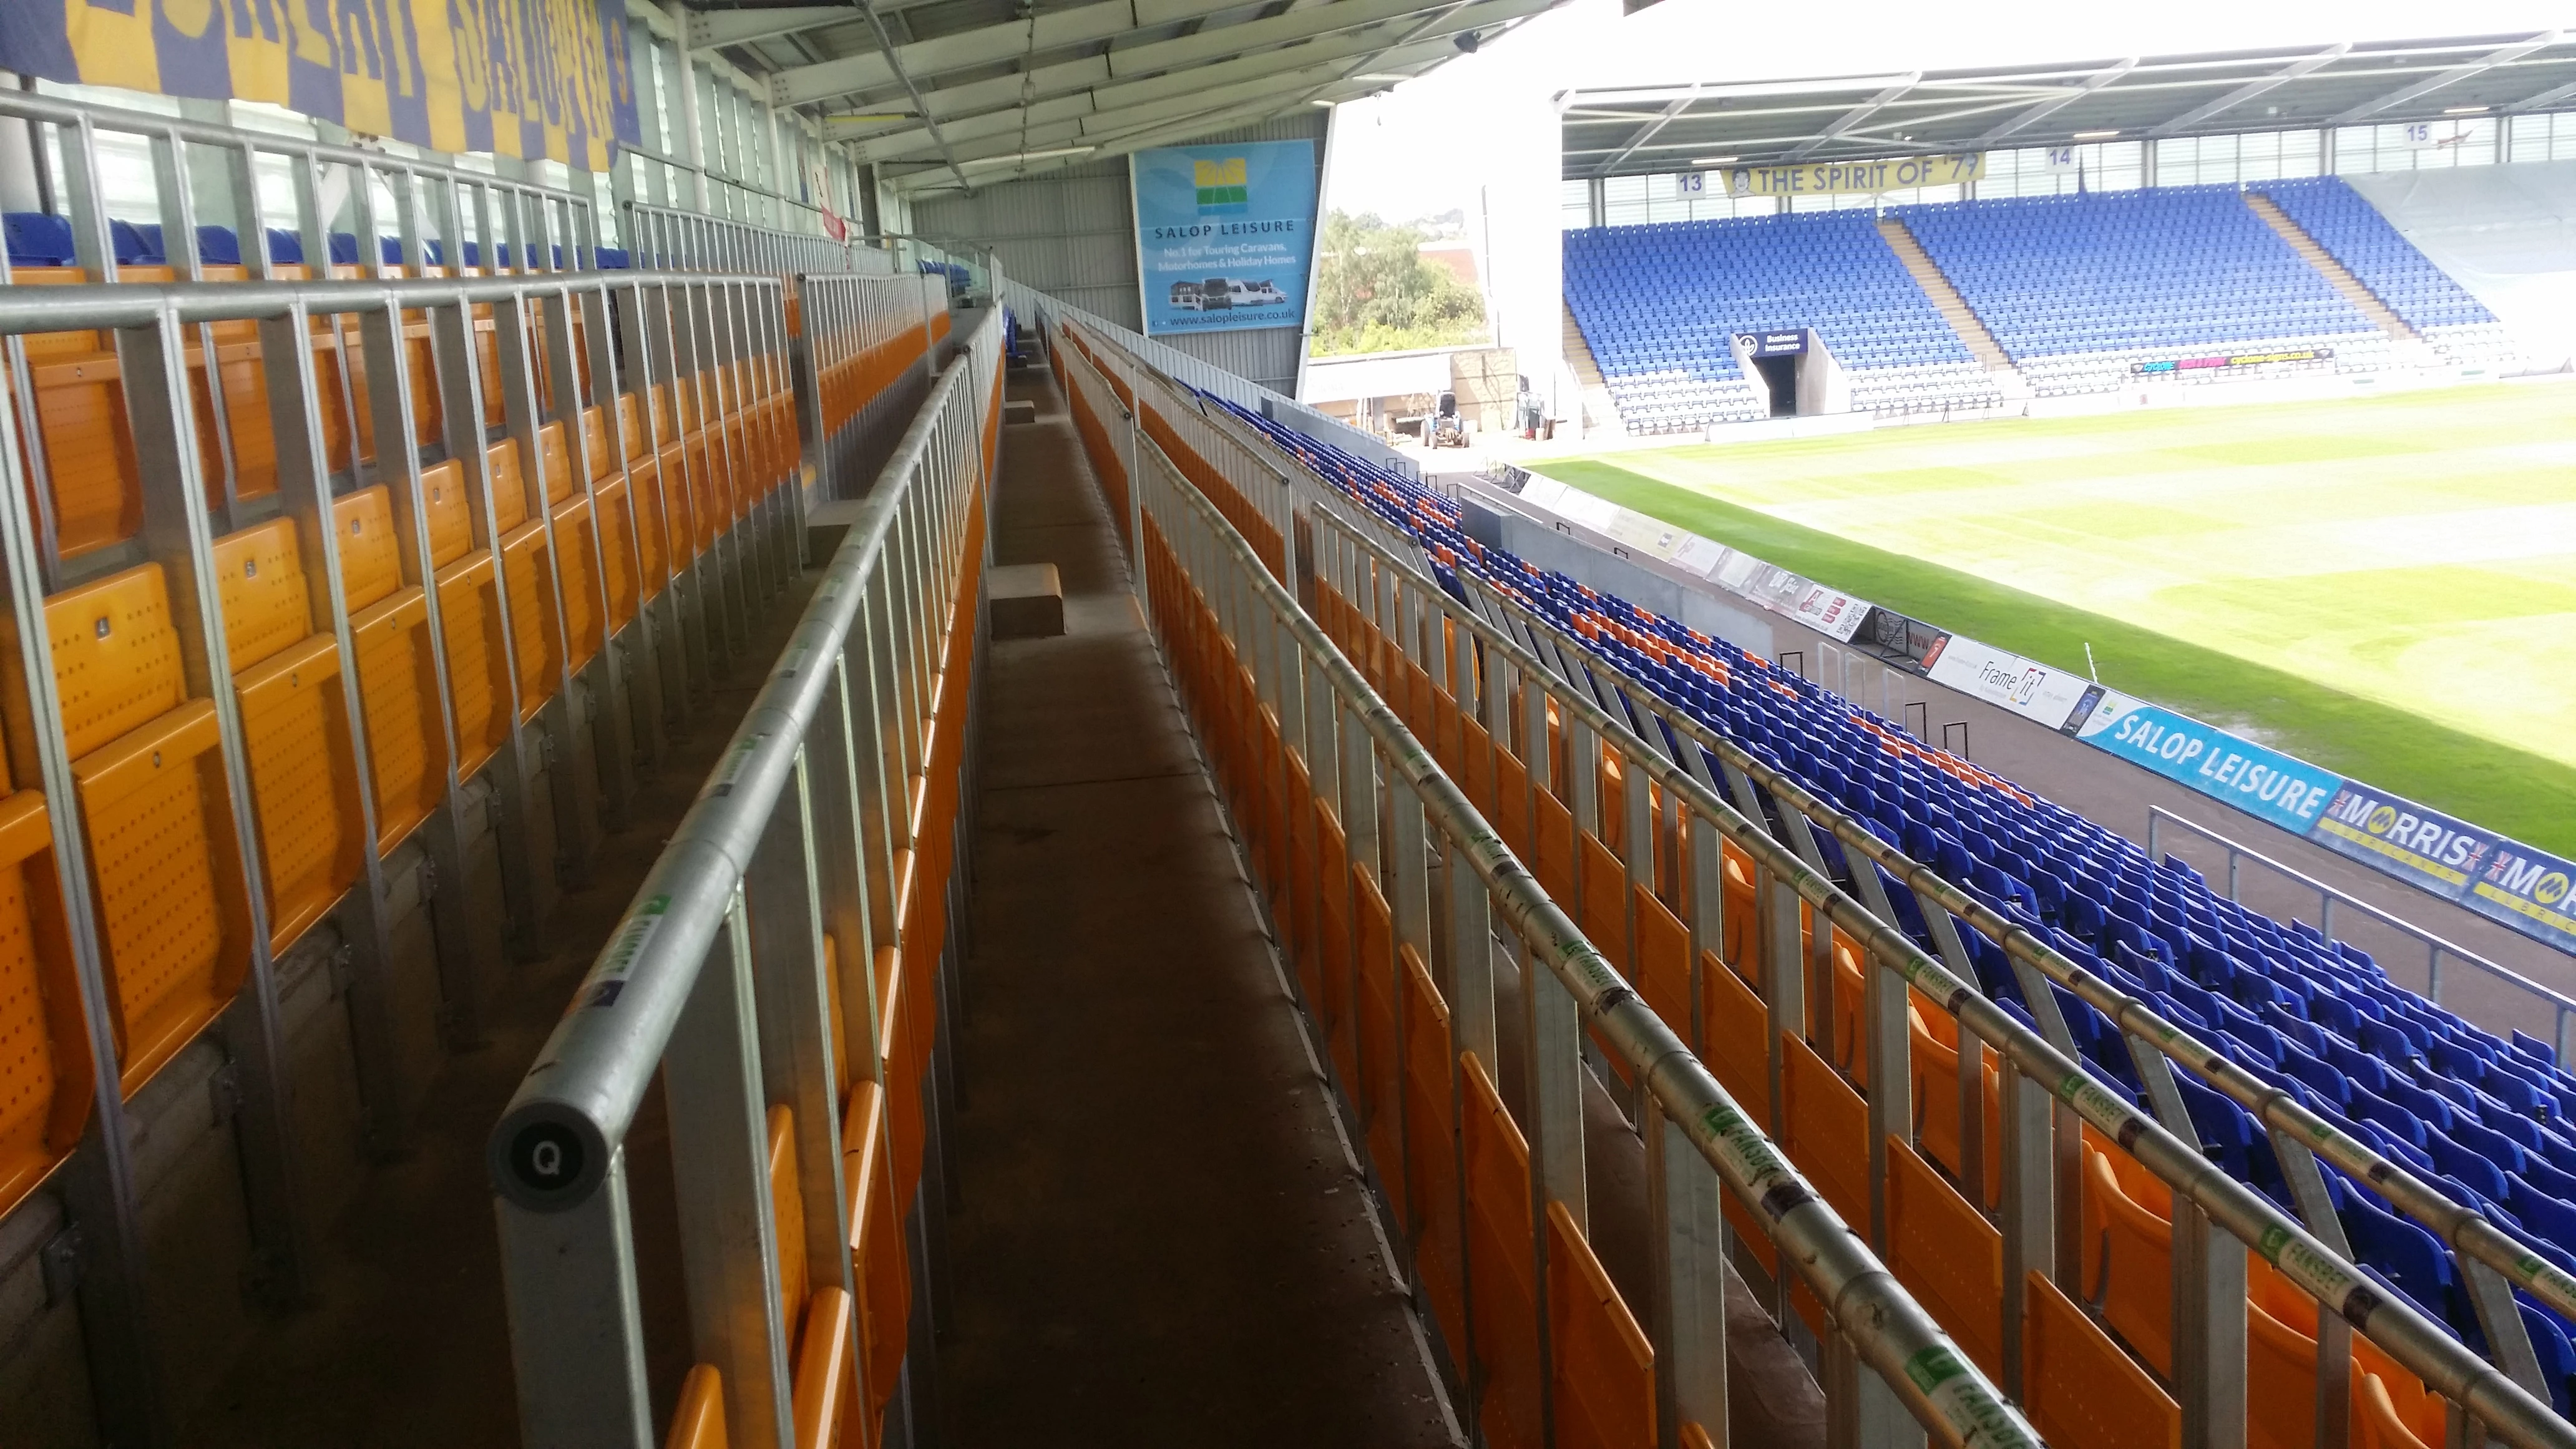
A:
(1225, 235)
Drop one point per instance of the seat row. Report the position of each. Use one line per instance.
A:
(464, 619)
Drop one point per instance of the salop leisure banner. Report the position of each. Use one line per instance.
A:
(1225, 235)
(525, 78)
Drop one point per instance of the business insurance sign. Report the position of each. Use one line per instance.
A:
(522, 78)
(1225, 235)
(2261, 782)
(1844, 177)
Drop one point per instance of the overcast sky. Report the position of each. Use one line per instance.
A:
(1416, 151)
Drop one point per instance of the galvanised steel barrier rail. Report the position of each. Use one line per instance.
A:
(270, 615)
(670, 236)
(1465, 1064)
(1454, 650)
(855, 337)
(2560, 1005)
(784, 974)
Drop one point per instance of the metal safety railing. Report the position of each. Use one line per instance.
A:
(856, 338)
(342, 547)
(1437, 945)
(782, 973)
(437, 210)
(2560, 1006)
(1710, 791)
(676, 237)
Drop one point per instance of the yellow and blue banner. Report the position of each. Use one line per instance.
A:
(524, 78)
(2422, 846)
(2530, 890)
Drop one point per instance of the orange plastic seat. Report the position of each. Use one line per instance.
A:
(2080, 1390)
(478, 678)
(147, 763)
(877, 1259)
(1604, 1369)
(575, 539)
(44, 1048)
(397, 667)
(295, 727)
(699, 1421)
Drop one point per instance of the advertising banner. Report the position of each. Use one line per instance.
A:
(2263, 783)
(1842, 177)
(523, 78)
(2033, 691)
(2530, 890)
(2237, 359)
(1225, 235)
(2425, 848)
(1829, 612)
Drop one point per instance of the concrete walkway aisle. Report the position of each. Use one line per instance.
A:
(1161, 1236)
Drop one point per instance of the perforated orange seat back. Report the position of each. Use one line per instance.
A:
(509, 487)
(80, 411)
(630, 427)
(661, 403)
(581, 594)
(617, 550)
(370, 562)
(44, 1053)
(554, 464)
(445, 508)
(699, 1421)
(398, 688)
(529, 575)
(477, 681)
(594, 441)
(116, 658)
(302, 771)
(671, 473)
(704, 506)
(172, 924)
(787, 1217)
(645, 501)
(259, 573)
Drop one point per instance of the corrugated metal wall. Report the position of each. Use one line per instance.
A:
(1072, 234)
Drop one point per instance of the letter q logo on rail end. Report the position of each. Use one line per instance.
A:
(546, 1159)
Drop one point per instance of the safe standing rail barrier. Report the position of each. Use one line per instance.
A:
(785, 974)
(1391, 892)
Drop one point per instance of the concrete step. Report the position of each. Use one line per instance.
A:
(2335, 273)
(1600, 412)
(1953, 308)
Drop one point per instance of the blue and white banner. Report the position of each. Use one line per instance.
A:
(2387, 832)
(2530, 890)
(2263, 783)
(1225, 235)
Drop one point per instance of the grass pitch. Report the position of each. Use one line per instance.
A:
(2385, 586)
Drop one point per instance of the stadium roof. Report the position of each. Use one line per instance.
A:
(1640, 129)
(949, 93)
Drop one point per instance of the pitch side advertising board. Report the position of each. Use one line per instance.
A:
(2007, 681)
(2401, 838)
(2530, 890)
(2263, 783)
(1225, 235)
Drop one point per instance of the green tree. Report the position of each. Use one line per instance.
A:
(1374, 292)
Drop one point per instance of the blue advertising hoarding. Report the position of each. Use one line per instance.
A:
(1225, 235)
(2263, 783)
(2530, 890)
(2425, 848)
